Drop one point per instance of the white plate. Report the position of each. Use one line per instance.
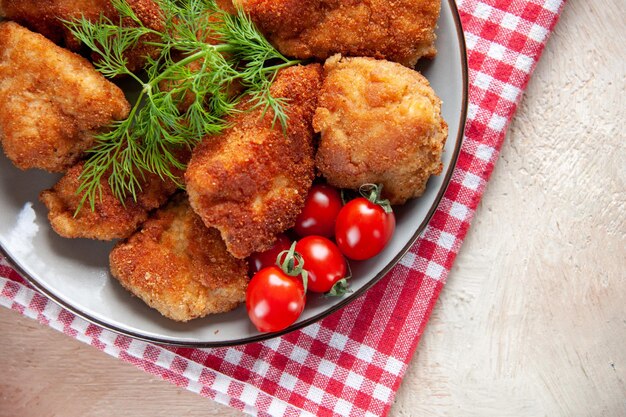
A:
(74, 272)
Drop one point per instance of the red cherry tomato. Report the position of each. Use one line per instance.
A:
(363, 229)
(260, 260)
(274, 300)
(323, 261)
(320, 210)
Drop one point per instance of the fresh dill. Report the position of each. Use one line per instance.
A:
(186, 91)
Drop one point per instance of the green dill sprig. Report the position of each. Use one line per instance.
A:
(186, 91)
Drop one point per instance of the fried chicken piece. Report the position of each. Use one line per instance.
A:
(180, 267)
(45, 17)
(250, 182)
(397, 30)
(110, 219)
(380, 123)
(52, 101)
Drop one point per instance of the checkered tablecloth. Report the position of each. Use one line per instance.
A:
(352, 362)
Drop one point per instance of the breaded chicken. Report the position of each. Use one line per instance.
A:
(380, 123)
(250, 182)
(180, 267)
(397, 30)
(45, 17)
(51, 101)
(111, 219)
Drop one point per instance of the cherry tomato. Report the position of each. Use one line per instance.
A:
(363, 229)
(323, 261)
(260, 260)
(320, 211)
(274, 300)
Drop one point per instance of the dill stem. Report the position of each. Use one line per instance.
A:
(277, 67)
(131, 115)
(132, 75)
(188, 60)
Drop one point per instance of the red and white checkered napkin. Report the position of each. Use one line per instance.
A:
(352, 362)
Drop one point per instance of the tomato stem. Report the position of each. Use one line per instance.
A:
(340, 288)
(293, 264)
(373, 193)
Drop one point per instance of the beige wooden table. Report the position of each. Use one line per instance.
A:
(532, 321)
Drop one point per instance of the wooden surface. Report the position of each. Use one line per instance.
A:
(532, 321)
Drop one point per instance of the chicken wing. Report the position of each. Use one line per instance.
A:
(110, 219)
(46, 17)
(250, 182)
(51, 101)
(396, 30)
(178, 266)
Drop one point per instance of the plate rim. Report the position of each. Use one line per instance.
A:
(352, 297)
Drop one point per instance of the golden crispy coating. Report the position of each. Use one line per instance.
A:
(110, 219)
(397, 30)
(250, 182)
(51, 101)
(380, 123)
(180, 267)
(44, 17)
(151, 16)
(226, 5)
